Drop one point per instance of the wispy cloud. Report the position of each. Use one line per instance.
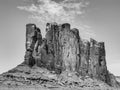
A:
(60, 11)
(50, 11)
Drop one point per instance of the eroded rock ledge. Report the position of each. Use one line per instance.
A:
(63, 50)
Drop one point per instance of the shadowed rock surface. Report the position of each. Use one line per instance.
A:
(61, 61)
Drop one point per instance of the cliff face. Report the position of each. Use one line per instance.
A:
(62, 50)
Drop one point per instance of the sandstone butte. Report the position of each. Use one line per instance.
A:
(61, 59)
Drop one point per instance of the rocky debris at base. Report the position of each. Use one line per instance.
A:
(25, 77)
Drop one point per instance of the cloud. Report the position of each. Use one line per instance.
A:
(54, 11)
(60, 11)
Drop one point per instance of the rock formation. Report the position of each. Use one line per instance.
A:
(62, 50)
(60, 61)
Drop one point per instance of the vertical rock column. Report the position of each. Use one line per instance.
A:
(85, 53)
(49, 38)
(33, 40)
(30, 43)
(97, 64)
(78, 48)
(52, 37)
(69, 48)
(56, 48)
(94, 59)
(46, 49)
(103, 75)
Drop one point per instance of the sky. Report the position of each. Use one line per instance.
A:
(102, 16)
